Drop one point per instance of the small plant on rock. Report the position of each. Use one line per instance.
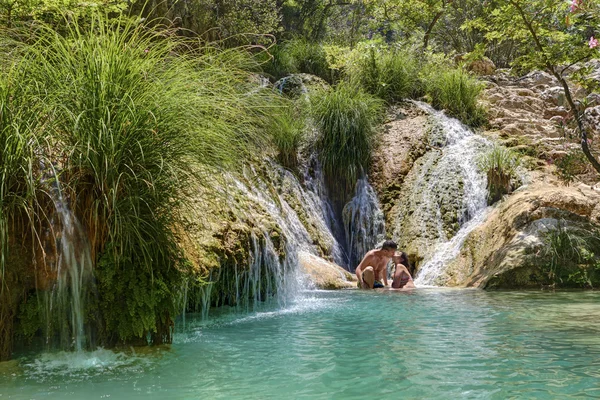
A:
(570, 256)
(572, 164)
(500, 164)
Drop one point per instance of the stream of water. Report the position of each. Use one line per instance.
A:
(428, 343)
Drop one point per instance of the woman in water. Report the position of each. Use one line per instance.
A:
(402, 278)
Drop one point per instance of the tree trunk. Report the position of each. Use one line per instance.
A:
(430, 28)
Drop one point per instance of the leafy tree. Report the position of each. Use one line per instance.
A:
(554, 35)
(55, 11)
(406, 17)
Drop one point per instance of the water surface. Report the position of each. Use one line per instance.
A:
(428, 343)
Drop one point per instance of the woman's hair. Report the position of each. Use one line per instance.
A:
(404, 260)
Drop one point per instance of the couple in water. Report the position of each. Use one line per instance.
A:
(372, 270)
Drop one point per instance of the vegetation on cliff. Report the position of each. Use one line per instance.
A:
(120, 108)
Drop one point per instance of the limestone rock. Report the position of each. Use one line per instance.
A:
(401, 142)
(500, 248)
(324, 274)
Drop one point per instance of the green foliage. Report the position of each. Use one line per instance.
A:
(346, 117)
(288, 134)
(21, 135)
(390, 74)
(135, 302)
(571, 257)
(572, 164)
(128, 114)
(14, 13)
(455, 91)
(298, 56)
(561, 32)
(500, 164)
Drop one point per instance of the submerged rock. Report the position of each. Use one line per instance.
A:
(324, 274)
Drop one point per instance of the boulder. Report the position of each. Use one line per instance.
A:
(500, 251)
(324, 274)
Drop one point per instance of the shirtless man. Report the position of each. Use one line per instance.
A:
(372, 270)
(402, 278)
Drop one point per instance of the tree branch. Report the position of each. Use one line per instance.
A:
(552, 69)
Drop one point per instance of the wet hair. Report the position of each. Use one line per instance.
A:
(389, 245)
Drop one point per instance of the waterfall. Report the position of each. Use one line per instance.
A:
(364, 222)
(448, 197)
(285, 218)
(65, 304)
(318, 200)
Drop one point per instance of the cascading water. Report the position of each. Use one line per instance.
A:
(364, 222)
(65, 303)
(449, 196)
(318, 200)
(280, 206)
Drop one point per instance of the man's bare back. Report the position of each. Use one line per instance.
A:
(376, 259)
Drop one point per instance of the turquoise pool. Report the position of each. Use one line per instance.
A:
(425, 344)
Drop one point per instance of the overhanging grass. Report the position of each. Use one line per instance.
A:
(346, 118)
(132, 113)
(392, 75)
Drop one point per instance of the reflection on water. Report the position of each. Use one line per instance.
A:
(433, 343)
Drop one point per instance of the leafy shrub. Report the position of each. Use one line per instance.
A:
(346, 117)
(500, 164)
(456, 91)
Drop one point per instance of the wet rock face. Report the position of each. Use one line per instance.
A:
(402, 141)
(428, 212)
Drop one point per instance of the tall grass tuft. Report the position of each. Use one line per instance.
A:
(298, 56)
(19, 189)
(455, 91)
(392, 75)
(133, 113)
(571, 256)
(289, 134)
(346, 118)
(500, 164)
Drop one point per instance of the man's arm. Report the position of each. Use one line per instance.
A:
(384, 272)
(359, 270)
